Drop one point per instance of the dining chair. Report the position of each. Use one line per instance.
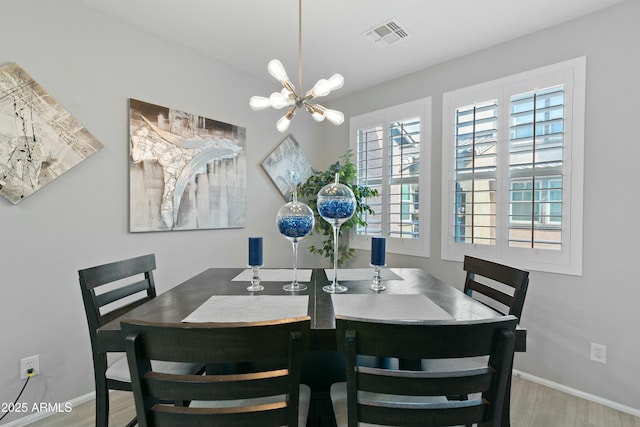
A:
(109, 291)
(499, 286)
(265, 397)
(394, 397)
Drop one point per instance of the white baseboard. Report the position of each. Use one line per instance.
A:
(581, 394)
(41, 415)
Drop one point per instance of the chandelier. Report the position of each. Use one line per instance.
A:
(292, 100)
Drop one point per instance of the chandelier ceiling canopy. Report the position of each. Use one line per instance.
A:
(293, 100)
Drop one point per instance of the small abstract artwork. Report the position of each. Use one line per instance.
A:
(287, 160)
(186, 172)
(39, 139)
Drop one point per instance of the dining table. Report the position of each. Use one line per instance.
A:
(323, 364)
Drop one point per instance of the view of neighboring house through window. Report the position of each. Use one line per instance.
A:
(392, 156)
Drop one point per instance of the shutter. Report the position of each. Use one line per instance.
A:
(369, 166)
(536, 144)
(404, 177)
(476, 136)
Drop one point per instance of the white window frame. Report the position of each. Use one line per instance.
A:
(567, 260)
(420, 108)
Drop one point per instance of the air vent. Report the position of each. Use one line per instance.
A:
(387, 33)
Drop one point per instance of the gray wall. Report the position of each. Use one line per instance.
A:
(91, 64)
(563, 314)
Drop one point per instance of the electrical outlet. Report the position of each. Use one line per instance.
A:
(27, 363)
(599, 353)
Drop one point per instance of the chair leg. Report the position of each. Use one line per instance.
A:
(506, 409)
(102, 392)
(102, 404)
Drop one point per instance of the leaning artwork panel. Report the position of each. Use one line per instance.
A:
(39, 139)
(186, 171)
(285, 159)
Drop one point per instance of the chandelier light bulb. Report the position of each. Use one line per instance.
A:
(317, 116)
(316, 111)
(334, 116)
(283, 124)
(278, 100)
(336, 81)
(276, 69)
(258, 103)
(289, 94)
(324, 87)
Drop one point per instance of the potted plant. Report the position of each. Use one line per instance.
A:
(309, 191)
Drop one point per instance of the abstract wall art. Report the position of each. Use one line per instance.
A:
(39, 139)
(286, 158)
(186, 171)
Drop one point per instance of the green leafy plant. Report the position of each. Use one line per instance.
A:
(308, 191)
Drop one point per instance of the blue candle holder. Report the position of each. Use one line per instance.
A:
(378, 245)
(377, 261)
(255, 261)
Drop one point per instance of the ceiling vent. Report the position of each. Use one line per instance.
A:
(387, 33)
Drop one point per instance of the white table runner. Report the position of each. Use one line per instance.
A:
(361, 274)
(387, 307)
(274, 275)
(249, 308)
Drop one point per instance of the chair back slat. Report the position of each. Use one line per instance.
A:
(444, 415)
(492, 280)
(120, 293)
(492, 293)
(120, 311)
(264, 415)
(472, 338)
(423, 383)
(118, 270)
(259, 345)
(417, 398)
(217, 387)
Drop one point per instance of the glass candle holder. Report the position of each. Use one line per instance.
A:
(336, 205)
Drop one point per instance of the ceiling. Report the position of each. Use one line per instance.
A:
(249, 33)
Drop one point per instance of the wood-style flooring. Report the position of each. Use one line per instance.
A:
(532, 405)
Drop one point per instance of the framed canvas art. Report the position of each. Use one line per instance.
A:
(186, 171)
(285, 159)
(39, 139)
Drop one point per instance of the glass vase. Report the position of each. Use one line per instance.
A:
(336, 205)
(295, 221)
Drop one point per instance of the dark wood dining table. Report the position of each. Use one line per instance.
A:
(324, 365)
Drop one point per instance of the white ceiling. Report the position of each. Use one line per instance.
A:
(249, 33)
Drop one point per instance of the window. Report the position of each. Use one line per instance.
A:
(513, 154)
(392, 153)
